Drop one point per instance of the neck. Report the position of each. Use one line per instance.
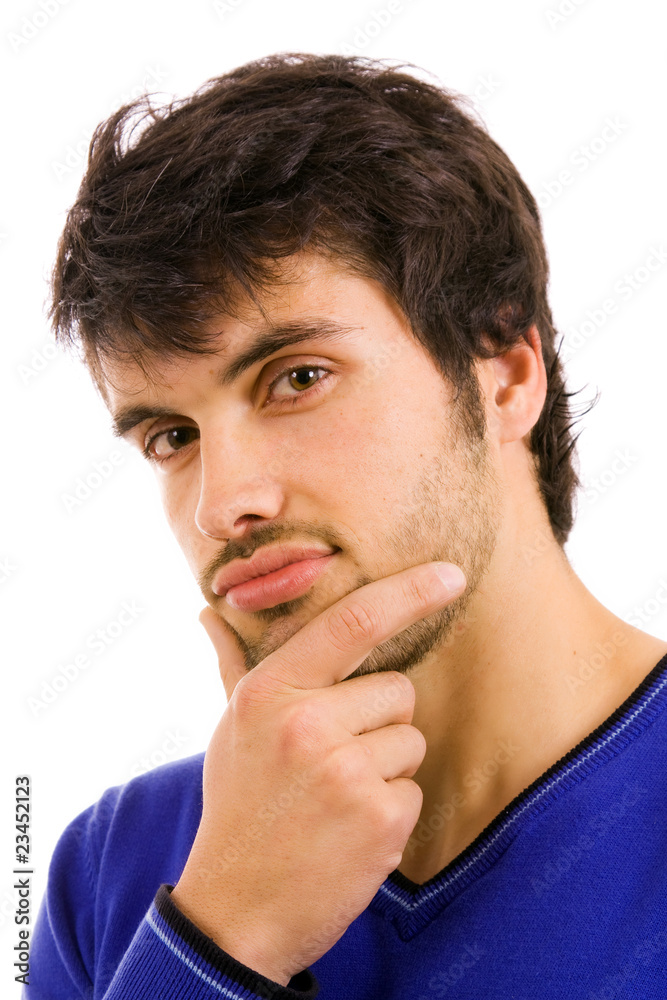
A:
(534, 666)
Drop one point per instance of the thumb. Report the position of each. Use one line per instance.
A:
(230, 657)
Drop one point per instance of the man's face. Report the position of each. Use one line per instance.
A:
(351, 443)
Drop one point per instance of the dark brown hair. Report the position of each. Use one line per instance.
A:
(183, 206)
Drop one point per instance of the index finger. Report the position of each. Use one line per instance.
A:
(338, 640)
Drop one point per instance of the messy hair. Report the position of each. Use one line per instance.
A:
(186, 206)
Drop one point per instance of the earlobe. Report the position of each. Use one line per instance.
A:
(518, 385)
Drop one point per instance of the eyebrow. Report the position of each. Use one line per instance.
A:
(266, 343)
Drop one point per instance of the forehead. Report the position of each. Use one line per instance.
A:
(302, 283)
(313, 298)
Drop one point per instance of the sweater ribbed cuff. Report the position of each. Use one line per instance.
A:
(301, 986)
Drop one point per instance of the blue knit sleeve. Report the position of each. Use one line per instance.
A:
(163, 956)
(170, 959)
(62, 952)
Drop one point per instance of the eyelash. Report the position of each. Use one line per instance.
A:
(289, 401)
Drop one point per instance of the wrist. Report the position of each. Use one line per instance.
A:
(244, 940)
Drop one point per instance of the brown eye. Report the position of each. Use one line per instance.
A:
(301, 378)
(167, 443)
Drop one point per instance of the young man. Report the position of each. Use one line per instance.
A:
(314, 295)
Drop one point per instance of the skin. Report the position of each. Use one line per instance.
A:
(378, 464)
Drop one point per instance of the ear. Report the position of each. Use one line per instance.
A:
(515, 385)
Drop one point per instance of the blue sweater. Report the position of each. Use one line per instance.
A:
(563, 895)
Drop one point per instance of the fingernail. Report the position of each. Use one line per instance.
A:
(451, 576)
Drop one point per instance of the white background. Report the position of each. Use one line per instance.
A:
(545, 84)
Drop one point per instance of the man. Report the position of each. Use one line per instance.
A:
(314, 295)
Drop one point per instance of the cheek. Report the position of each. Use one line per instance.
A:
(179, 502)
(369, 455)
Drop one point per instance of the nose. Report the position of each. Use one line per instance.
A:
(238, 485)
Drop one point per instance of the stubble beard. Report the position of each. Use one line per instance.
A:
(452, 515)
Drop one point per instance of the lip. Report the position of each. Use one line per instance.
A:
(264, 562)
(284, 584)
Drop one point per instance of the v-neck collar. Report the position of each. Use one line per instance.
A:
(410, 906)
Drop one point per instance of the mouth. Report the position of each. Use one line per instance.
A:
(272, 577)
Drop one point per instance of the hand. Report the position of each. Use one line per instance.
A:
(308, 797)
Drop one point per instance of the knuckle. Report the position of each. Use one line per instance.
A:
(419, 593)
(417, 740)
(251, 694)
(401, 687)
(244, 697)
(415, 798)
(390, 816)
(394, 859)
(393, 693)
(353, 625)
(347, 764)
(401, 811)
(303, 726)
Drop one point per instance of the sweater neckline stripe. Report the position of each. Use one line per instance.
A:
(406, 896)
